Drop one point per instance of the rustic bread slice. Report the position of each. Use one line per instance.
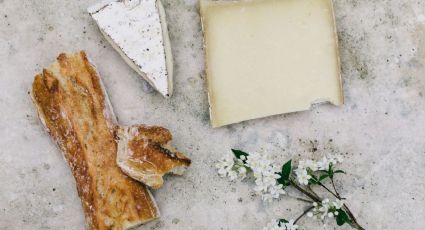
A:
(74, 109)
(145, 155)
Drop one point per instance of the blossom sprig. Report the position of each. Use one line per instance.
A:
(314, 172)
(272, 180)
(328, 209)
(231, 167)
(262, 167)
(281, 224)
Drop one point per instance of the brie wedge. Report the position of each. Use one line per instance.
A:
(268, 57)
(137, 29)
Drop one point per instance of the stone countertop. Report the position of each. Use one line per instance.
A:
(380, 130)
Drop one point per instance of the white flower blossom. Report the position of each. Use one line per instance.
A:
(304, 167)
(326, 209)
(291, 225)
(308, 164)
(225, 166)
(276, 191)
(228, 167)
(323, 164)
(274, 225)
(338, 204)
(302, 176)
(265, 173)
(232, 175)
(242, 172)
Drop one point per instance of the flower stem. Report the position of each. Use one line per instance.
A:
(303, 191)
(354, 222)
(335, 195)
(317, 199)
(312, 191)
(333, 185)
(304, 213)
(304, 200)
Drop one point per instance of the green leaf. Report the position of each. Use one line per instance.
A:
(322, 177)
(331, 170)
(286, 170)
(282, 181)
(285, 174)
(340, 171)
(342, 217)
(282, 221)
(313, 180)
(238, 154)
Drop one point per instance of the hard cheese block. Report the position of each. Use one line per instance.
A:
(268, 57)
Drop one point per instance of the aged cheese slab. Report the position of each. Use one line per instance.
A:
(75, 110)
(137, 29)
(268, 57)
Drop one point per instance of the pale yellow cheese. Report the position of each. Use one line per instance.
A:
(268, 57)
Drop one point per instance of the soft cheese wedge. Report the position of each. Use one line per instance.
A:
(75, 110)
(137, 29)
(268, 57)
(145, 155)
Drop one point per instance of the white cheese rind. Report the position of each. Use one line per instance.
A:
(268, 57)
(139, 33)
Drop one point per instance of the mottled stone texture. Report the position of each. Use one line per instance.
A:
(380, 130)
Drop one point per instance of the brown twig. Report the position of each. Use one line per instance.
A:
(311, 196)
(353, 218)
(304, 200)
(335, 195)
(304, 213)
(311, 190)
(353, 222)
(333, 185)
(317, 199)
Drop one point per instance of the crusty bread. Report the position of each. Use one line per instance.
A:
(75, 111)
(145, 155)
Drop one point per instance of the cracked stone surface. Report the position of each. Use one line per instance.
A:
(380, 129)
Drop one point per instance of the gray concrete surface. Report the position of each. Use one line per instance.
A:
(380, 129)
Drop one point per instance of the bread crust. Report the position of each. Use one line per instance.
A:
(71, 104)
(145, 155)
